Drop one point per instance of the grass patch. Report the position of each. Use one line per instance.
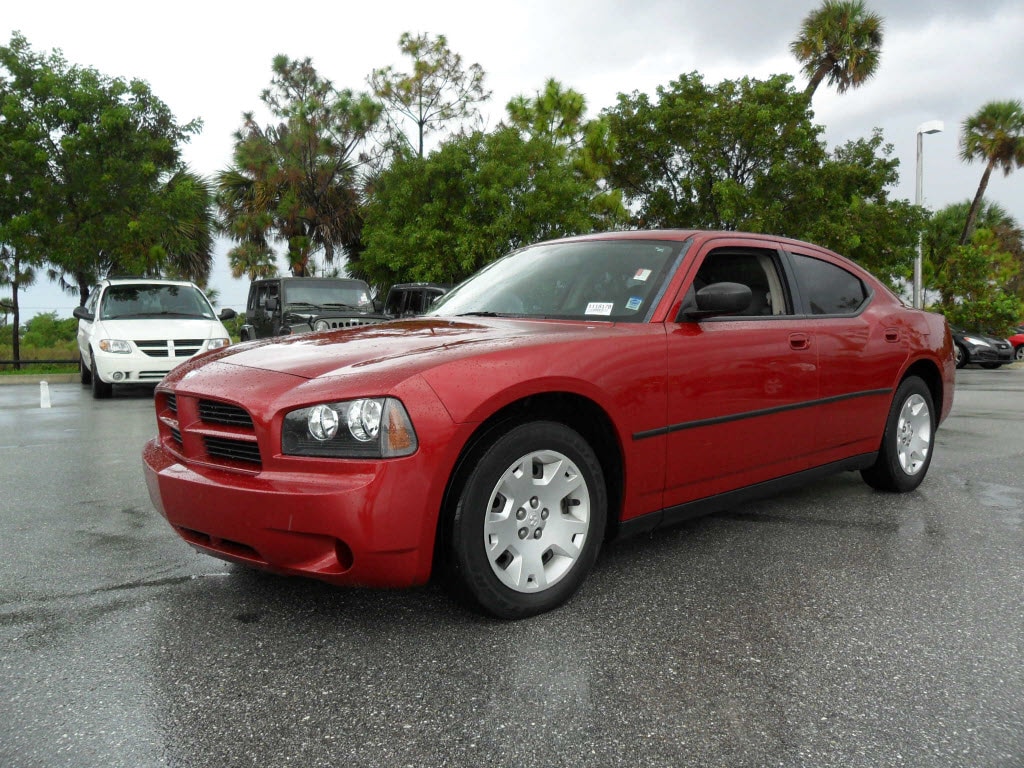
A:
(36, 369)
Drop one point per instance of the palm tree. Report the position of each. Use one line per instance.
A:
(995, 135)
(840, 40)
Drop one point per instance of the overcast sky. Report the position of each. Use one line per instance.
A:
(941, 60)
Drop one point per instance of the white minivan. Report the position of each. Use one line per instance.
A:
(135, 330)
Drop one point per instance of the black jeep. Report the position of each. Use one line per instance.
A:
(283, 305)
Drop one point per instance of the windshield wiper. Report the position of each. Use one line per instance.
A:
(336, 305)
(480, 314)
(302, 305)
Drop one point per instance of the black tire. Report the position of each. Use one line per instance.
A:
(1018, 353)
(84, 374)
(991, 366)
(962, 358)
(101, 390)
(497, 567)
(908, 441)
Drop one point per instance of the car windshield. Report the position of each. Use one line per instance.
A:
(154, 300)
(344, 294)
(618, 280)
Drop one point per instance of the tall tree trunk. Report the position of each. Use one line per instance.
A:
(972, 214)
(819, 75)
(15, 340)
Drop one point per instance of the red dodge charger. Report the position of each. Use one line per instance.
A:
(571, 392)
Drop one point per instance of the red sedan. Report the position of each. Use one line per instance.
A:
(574, 391)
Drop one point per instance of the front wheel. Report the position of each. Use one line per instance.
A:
(906, 450)
(1018, 354)
(529, 520)
(84, 374)
(961, 356)
(101, 390)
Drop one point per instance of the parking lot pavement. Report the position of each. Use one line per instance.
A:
(832, 626)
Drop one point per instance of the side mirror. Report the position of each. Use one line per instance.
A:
(83, 314)
(227, 313)
(718, 299)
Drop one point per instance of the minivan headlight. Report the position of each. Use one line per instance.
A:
(217, 343)
(118, 346)
(370, 427)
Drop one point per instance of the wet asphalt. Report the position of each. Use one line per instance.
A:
(832, 626)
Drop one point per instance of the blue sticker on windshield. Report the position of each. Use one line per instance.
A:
(634, 302)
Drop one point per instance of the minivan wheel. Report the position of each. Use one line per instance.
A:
(84, 374)
(101, 390)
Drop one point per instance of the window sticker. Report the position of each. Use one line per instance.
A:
(634, 303)
(599, 308)
(642, 275)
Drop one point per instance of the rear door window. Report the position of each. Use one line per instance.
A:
(828, 289)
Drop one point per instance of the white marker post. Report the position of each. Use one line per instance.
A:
(44, 394)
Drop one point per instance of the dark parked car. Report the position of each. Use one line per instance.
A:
(986, 351)
(571, 392)
(411, 299)
(280, 306)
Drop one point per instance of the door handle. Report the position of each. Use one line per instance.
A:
(799, 341)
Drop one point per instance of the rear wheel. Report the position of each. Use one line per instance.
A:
(101, 390)
(529, 520)
(906, 450)
(1018, 354)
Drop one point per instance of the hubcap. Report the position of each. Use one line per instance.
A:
(538, 519)
(1019, 353)
(913, 434)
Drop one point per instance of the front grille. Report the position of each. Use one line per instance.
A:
(207, 431)
(224, 413)
(177, 348)
(232, 450)
(348, 322)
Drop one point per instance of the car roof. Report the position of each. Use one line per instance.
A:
(143, 281)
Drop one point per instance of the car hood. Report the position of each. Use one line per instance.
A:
(153, 329)
(408, 345)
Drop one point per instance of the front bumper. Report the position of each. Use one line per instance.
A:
(318, 525)
(144, 365)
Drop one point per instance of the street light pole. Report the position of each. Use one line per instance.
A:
(932, 126)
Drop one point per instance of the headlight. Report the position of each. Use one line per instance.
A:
(119, 346)
(377, 427)
(217, 343)
(976, 342)
(321, 325)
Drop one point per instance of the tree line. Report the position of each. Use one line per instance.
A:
(401, 181)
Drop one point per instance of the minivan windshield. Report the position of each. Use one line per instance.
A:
(618, 280)
(154, 300)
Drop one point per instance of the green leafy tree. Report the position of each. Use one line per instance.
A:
(45, 331)
(297, 181)
(477, 197)
(942, 236)
(995, 136)
(101, 155)
(439, 90)
(745, 155)
(840, 41)
(972, 281)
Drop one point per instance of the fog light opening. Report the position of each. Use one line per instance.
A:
(344, 554)
(117, 376)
